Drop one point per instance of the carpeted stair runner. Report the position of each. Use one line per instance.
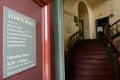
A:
(89, 61)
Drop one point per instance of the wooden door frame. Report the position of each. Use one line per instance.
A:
(46, 25)
(96, 23)
(82, 27)
(59, 41)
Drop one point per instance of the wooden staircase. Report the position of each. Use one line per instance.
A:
(89, 61)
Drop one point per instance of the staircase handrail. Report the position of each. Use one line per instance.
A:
(110, 41)
(115, 22)
(69, 41)
(110, 45)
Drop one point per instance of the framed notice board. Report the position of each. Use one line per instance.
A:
(19, 42)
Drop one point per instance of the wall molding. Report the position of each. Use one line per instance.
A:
(42, 3)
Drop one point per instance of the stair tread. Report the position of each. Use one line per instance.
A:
(89, 61)
(92, 78)
(92, 61)
(90, 56)
(84, 66)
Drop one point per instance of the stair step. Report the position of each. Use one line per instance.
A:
(91, 73)
(92, 78)
(103, 57)
(89, 66)
(89, 61)
(90, 51)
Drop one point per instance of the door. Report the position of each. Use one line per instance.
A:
(81, 28)
(100, 24)
(31, 10)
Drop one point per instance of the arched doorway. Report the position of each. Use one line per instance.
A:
(83, 16)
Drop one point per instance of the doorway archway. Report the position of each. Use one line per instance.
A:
(83, 16)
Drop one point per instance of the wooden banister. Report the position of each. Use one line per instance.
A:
(69, 41)
(115, 22)
(110, 41)
(111, 45)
